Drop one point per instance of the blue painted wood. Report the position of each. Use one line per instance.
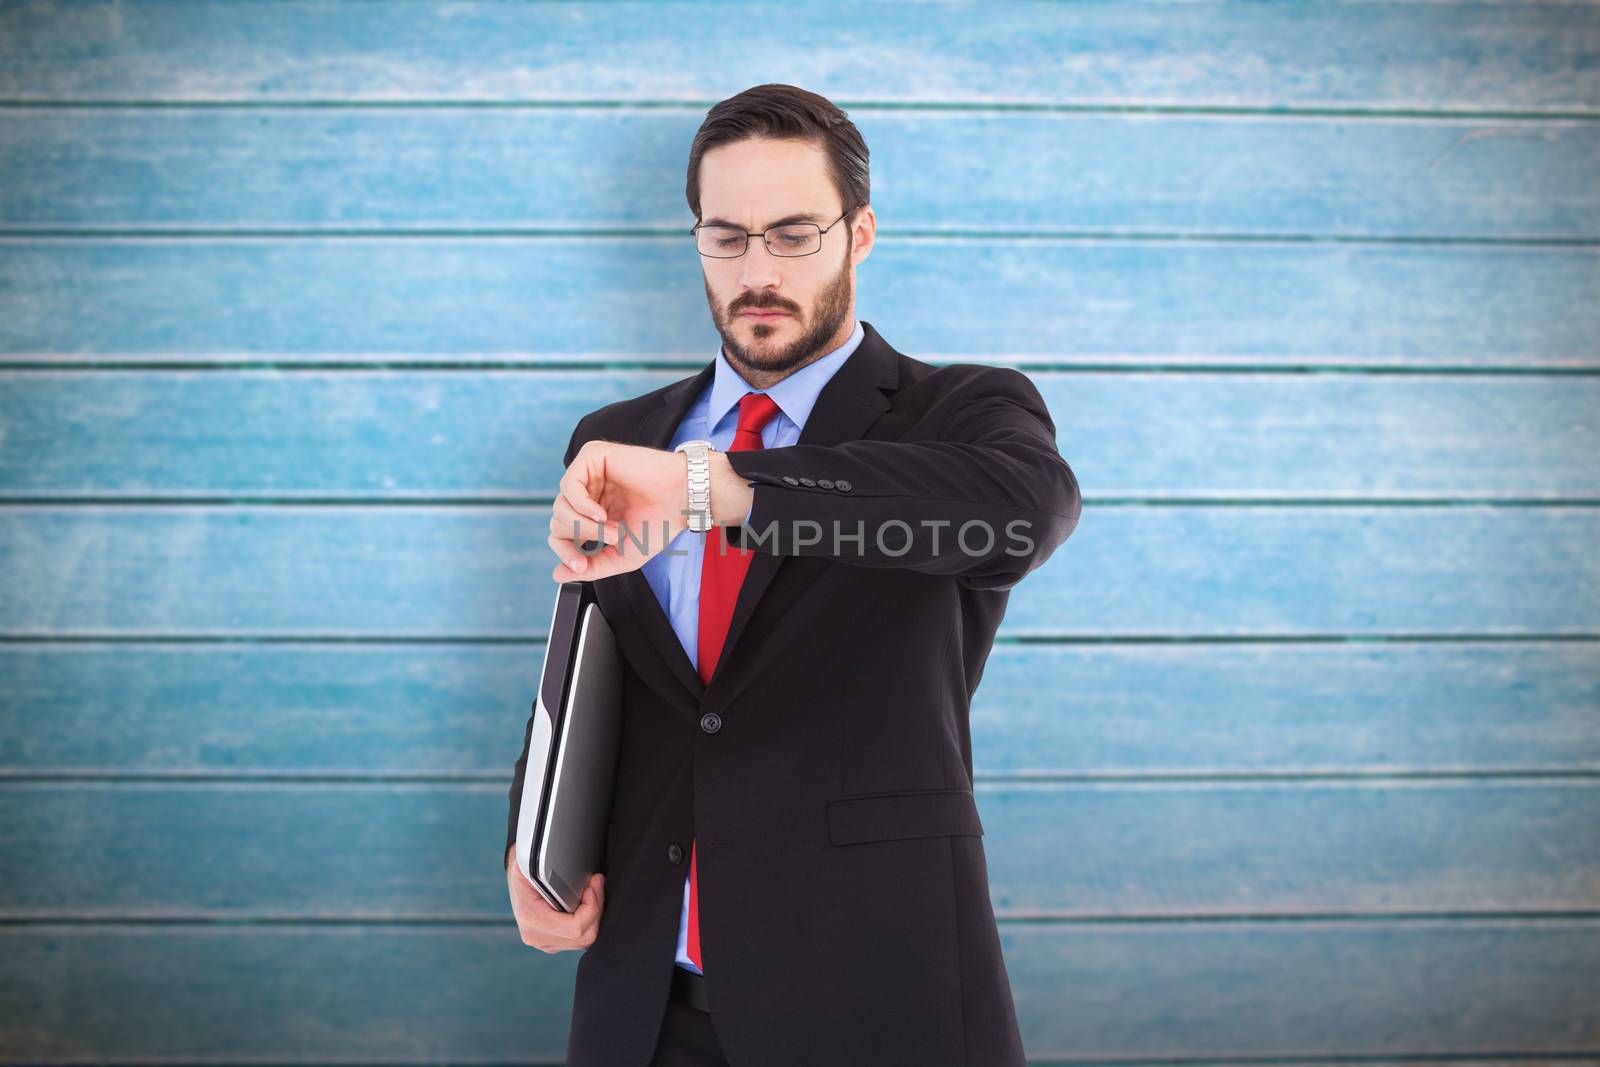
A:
(1287, 708)
(1410, 728)
(389, 851)
(570, 297)
(1472, 56)
(1089, 710)
(1095, 991)
(420, 571)
(1412, 988)
(338, 993)
(408, 434)
(933, 172)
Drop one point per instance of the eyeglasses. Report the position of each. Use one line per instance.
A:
(730, 242)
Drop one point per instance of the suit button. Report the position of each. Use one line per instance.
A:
(825, 483)
(807, 481)
(791, 479)
(842, 485)
(711, 722)
(674, 853)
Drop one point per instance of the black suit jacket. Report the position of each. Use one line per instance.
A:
(826, 770)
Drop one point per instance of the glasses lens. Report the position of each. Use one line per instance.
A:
(719, 241)
(801, 239)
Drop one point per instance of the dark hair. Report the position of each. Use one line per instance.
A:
(785, 112)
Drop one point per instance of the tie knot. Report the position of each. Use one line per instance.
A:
(755, 411)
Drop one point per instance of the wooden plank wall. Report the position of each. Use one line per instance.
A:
(1291, 754)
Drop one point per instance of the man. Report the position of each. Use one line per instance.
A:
(794, 870)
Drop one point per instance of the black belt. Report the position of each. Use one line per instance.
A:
(689, 988)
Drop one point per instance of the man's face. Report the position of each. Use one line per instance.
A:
(752, 184)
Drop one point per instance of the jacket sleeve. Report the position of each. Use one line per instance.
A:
(978, 490)
(521, 767)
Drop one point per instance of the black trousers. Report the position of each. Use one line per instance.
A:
(687, 1038)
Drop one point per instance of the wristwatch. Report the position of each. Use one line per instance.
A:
(699, 484)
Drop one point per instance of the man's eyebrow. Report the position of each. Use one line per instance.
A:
(806, 216)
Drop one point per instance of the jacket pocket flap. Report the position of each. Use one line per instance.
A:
(888, 816)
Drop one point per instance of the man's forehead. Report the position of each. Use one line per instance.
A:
(766, 183)
(737, 219)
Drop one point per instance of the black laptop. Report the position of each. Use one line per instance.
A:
(573, 740)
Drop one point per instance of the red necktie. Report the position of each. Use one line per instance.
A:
(721, 575)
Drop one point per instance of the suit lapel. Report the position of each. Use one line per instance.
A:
(846, 407)
(656, 432)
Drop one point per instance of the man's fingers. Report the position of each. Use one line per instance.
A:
(575, 489)
(525, 893)
(562, 932)
(576, 540)
(590, 563)
(572, 562)
(565, 522)
(602, 564)
(588, 907)
(586, 916)
(588, 522)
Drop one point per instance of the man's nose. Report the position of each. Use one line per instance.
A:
(760, 267)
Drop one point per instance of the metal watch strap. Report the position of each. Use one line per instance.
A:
(699, 483)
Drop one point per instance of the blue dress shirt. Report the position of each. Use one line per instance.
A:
(674, 572)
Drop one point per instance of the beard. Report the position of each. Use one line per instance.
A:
(829, 314)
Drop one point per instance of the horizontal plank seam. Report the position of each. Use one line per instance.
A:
(34, 363)
(134, 234)
(699, 106)
(1074, 640)
(1578, 774)
(1331, 1059)
(1018, 918)
(542, 501)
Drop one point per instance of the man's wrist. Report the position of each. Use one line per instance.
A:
(731, 496)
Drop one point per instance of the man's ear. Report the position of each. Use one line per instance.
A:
(861, 247)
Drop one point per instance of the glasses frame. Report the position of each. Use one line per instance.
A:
(822, 231)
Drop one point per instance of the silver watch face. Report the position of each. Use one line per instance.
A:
(685, 446)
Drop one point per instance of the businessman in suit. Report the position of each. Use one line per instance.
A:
(794, 872)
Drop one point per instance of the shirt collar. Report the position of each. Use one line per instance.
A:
(795, 395)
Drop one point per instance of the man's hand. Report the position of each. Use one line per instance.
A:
(551, 929)
(612, 487)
